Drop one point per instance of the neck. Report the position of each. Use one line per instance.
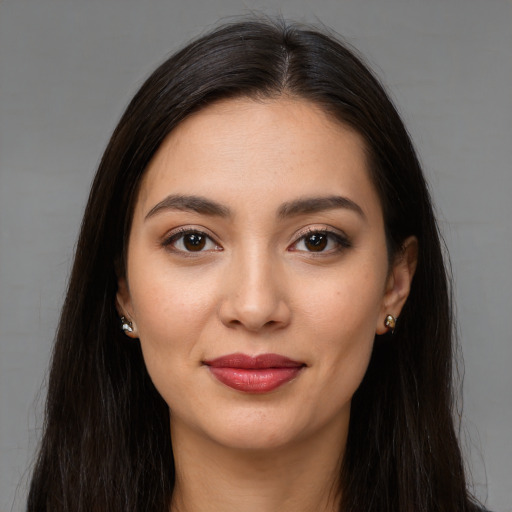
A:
(303, 477)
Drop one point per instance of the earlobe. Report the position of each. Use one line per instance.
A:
(124, 309)
(398, 285)
(126, 325)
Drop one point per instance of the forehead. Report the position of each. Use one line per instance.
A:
(260, 150)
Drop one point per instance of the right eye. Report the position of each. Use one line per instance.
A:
(191, 240)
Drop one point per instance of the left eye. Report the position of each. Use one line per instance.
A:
(191, 241)
(320, 241)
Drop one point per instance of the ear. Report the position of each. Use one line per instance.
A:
(399, 281)
(124, 306)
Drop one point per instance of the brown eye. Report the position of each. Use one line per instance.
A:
(194, 242)
(325, 242)
(191, 241)
(316, 242)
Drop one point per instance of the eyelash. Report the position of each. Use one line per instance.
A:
(341, 241)
(181, 233)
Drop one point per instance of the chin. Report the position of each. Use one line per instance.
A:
(243, 428)
(255, 437)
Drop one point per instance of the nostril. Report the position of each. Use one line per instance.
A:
(254, 311)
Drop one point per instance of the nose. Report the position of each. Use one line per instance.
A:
(255, 295)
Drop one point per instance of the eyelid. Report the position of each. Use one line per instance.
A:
(170, 237)
(342, 239)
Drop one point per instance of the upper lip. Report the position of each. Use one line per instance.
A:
(261, 361)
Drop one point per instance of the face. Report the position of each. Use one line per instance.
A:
(257, 272)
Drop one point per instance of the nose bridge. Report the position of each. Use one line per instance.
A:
(256, 296)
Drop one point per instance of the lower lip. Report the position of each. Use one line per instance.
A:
(260, 380)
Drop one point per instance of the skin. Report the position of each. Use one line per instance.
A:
(257, 287)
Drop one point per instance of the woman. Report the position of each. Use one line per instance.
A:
(258, 316)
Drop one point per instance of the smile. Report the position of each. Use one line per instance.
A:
(259, 374)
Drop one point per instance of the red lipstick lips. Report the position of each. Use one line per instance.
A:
(259, 374)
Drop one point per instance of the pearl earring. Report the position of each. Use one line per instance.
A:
(126, 325)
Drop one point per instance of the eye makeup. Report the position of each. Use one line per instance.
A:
(317, 241)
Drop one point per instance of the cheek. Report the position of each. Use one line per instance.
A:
(347, 332)
(348, 301)
(165, 299)
(170, 310)
(343, 319)
(170, 317)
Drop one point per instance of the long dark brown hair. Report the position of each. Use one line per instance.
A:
(106, 444)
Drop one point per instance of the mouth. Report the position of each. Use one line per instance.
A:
(260, 374)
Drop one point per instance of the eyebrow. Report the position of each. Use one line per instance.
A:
(301, 206)
(308, 205)
(195, 204)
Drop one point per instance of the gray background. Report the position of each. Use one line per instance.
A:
(67, 70)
